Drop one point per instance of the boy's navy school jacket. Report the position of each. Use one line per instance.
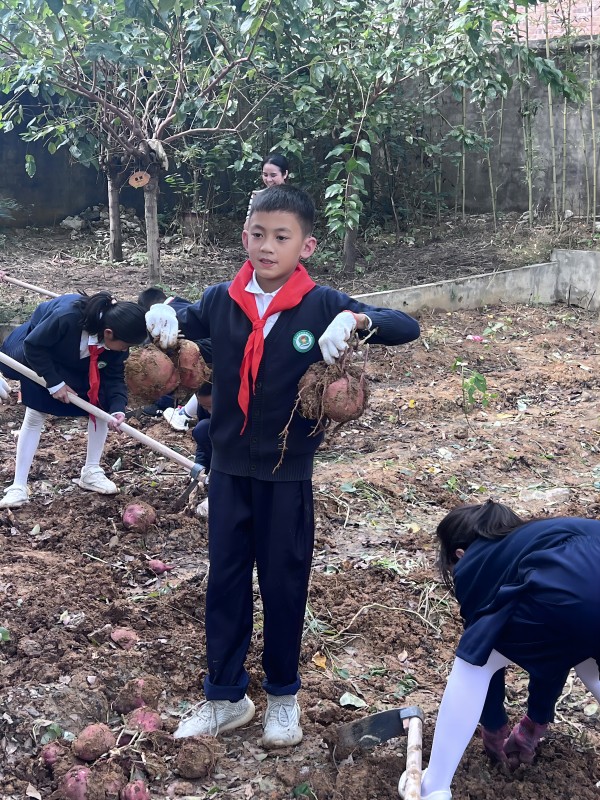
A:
(49, 344)
(289, 349)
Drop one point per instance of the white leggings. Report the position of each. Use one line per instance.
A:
(461, 708)
(29, 439)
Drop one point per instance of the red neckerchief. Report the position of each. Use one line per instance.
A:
(291, 293)
(94, 376)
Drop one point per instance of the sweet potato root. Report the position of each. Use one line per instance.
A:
(150, 374)
(192, 368)
(93, 741)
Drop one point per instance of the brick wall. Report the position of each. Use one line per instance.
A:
(582, 19)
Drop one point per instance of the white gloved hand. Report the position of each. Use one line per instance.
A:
(334, 341)
(161, 321)
(4, 391)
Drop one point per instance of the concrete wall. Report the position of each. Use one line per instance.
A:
(571, 277)
(57, 189)
(505, 129)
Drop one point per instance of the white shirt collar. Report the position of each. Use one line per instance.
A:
(254, 287)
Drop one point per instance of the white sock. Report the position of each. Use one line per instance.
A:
(95, 444)
(27, 444)
(587, 672)
(457, 719)
(191, 407)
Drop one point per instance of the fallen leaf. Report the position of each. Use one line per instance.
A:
(349, 699)
(319, 660)
(403, 656)
(31, 791)
(590, 709)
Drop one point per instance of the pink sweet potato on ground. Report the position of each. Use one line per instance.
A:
(138, 517)
(137, 790)
(144, 719)
(93, 742)
(79, 784)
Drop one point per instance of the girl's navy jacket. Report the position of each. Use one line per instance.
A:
(543, 579)
(49, 344)
(289, 349)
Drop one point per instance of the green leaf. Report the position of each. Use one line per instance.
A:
(55, 6)
(30, 165)
(4, 634)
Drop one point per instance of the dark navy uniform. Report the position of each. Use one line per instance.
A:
(260, 510)
(533, 596)
(49, 344)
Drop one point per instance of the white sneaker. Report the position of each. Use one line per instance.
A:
(202, 508)
(281, 722)
(94, 480)
(177, 418)
(213, 717)
(14, 497)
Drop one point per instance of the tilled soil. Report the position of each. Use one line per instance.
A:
(380, 627)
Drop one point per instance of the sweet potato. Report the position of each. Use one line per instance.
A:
(197, 756)
(79, 784)
(150, 374)
(144, 719)
(159, 567)
(50, 753)
(138, 692)
(334, 393)
(138, 517)
(93, 742)
(136, 790)
(125, 638)
(345, 398)
(192, 368)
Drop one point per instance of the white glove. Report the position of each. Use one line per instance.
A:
(334, 341)
(4, 391)
(161, 321)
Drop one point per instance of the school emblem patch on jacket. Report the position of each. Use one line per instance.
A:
(101, 364)
(303, 341)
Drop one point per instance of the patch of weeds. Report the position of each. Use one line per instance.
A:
(304, 790)
(474, 386)
(138, 258)
(406, 686)
(318, 627)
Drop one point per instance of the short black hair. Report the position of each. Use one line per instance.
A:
(204, 390)
(150, 296)
(278, 161)
(286, 198)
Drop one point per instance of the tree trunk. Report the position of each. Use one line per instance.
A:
(350, 238)
(114, 220)
(152, 237)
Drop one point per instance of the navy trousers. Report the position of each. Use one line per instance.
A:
(203, 443)
(271, 524)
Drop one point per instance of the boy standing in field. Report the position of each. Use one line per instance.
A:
(264, 327)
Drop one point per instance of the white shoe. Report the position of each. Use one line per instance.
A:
(14, 497)
(177, 418)
(441, 794)
(94, 480)
(281, 722)
(213, 717)
(202, 508)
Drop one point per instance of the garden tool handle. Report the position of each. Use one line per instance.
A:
(31, 286)
(158, 447)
